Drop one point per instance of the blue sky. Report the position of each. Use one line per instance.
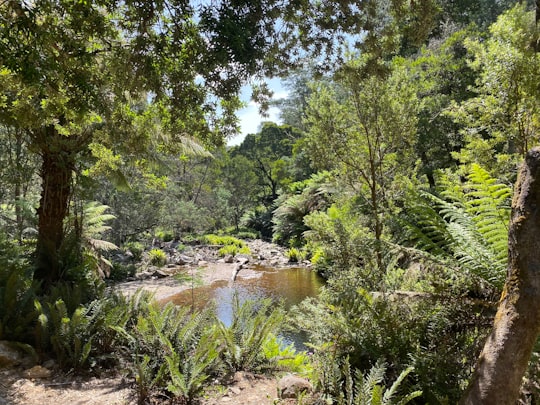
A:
(250, 120)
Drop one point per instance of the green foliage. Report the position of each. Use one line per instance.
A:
(17, 293)
(340, 236)
(165, 235)
(223, 240)
(502, 122)
(441, 339)
(94, 226)
(242, 342)
(368, 389)
(234, 250)
(70, 334)
(259, 219)
(295, 255)
(173, 353)
(301, 199)
(231, 245)
(136, 249)
(157, 257)
(467, 224)
(82, 336)
(287, 357)
(246, 235)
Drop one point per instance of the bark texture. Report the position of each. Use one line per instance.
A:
(503, 361)
(56, 176)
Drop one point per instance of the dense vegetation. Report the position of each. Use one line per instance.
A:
(391, 171)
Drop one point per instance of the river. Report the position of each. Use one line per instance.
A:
(290, 285)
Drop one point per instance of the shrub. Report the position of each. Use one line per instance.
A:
(441, 339)
(172, 353)
(136, 249)
(165, 235)
(253, 325)
(122, 271)
(157, 257)
(223, 240)
(17, 294)
(295, 255)
(233, 250)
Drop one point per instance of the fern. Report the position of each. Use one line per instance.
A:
(173, 351)
(369, 389)
(242, 342)
(467, 223)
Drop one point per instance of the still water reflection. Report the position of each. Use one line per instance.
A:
(290, 285)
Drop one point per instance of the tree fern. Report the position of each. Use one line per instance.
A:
(93, 228)
(466, 223)
(489, 202)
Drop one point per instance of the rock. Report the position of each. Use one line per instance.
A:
(242, 259)
(228, 259)
(159, 273)
(37, 372)
(50, 364)
(202, 263)
(144, 275)
(183, 259)
(9, 355)
(290, 386)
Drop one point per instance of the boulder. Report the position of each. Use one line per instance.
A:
(37, 372)
(9, 355)
(291, 386)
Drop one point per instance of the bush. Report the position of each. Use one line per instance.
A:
(164, 235)
(157, 257)
(441, 339)
(223, 240)
(172, 353)
(17, 294)
(295, 255)
(233, 250)
(136, 249)
(253, 325)
(122, 271)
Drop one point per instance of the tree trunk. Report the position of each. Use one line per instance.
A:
(503, 361)
(56, 174)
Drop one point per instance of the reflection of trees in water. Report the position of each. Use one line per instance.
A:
(290, 285)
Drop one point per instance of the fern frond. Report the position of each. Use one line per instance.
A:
(389, 394)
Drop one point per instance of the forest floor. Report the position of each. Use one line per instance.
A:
(59, 388)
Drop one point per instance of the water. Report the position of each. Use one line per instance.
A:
(290, 285)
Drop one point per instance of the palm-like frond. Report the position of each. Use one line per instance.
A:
(489, 202)
(252, 325)
(467, 222)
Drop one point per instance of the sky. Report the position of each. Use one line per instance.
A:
(250, 120)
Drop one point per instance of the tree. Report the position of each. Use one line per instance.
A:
(270, 151)
(240, 180)
(98, 78)
(364, 128)
(504, 117)
(506, 353)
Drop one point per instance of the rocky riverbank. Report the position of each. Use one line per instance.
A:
(202, 265)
